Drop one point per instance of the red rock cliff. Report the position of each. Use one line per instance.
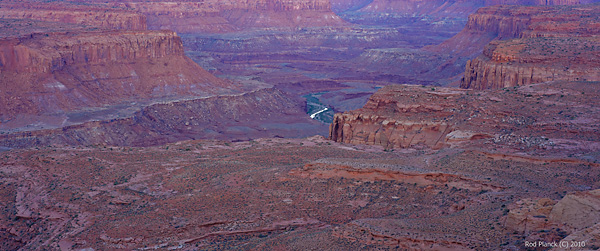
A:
(489, 23)
(391, 119)
(549, 43)
(89, 15)
(484, 26)
(64, 71)
(408, 116)
(528, 61)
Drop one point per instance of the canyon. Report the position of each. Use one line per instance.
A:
(540, 64)
(186, 125)
(233, 43)
(434, 11)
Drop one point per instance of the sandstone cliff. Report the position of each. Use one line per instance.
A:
(527, 61)
(540, 44)
(516, 118)
(66, 13)
(485, 25)
(391, 118)
(45, 73)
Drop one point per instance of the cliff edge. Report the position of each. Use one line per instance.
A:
(539, 119)
(534, 45)
(49, 71)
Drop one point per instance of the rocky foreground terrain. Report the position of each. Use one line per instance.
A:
(291, 194)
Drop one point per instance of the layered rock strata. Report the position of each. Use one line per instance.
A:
(540, 44)
(50, 72)
(517, 118)
(528, 61)
(95, 16)
(228, 16)
(445, 7)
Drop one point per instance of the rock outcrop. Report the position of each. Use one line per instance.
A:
(405, 116)
(327, 170)
(95, 16)
(520, 62)
(578, 210)
(576, 215)
(587, 238)
(443, 13)
(528, 216)
(54, 72)
(537, 44)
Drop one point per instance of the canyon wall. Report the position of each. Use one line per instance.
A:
(576, 215)
(180, 16)
(109, 18)
(49, 52)
(228, 16)
(420, 116)
(203, 5)
(485, 25)
(528, 61)
(537, 44)
(50, 72)
(391, 119)
(461, 36)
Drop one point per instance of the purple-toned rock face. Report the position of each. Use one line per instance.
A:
(95, 16)
(45, 73)
(538, 45)
(217, 16)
